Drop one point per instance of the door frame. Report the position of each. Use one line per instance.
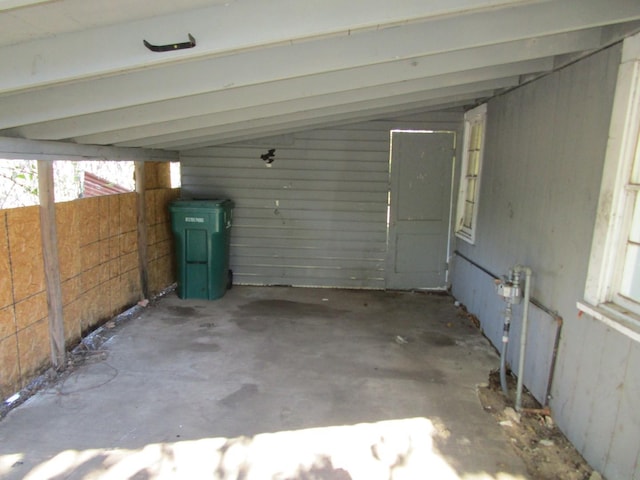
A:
(451, 209)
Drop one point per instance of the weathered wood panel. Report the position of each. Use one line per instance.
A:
(99, 273)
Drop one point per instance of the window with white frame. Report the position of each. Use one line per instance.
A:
(629, 281)
(612, 292)
(467, 213)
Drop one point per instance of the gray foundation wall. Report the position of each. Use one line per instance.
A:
(544, 155)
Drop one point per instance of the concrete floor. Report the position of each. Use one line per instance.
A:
(278, 383)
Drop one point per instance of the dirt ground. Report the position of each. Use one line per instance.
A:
(534, 436)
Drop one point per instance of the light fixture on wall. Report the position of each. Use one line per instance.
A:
(269, 156)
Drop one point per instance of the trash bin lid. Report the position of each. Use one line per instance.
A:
(204, 203)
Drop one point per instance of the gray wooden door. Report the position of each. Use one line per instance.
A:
(420, 209)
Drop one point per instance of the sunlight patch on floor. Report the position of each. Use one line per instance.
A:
(8, 461)
(394, 449)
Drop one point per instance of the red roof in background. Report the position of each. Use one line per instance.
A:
(94, 186)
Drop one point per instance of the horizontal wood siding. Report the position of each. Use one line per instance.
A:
(317, 216)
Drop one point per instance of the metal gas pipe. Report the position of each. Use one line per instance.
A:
(511, 291)
(523, 332)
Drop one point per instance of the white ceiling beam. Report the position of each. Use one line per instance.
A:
(354, 95)
(242, 97)
(338, 104)
(219, 29)
(330, 120)
(23, 149)
(250, 68)
(13, 4)
(30, 20)
(346, 107)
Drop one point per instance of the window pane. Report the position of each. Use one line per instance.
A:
(471, 190)
(468, 215)
(635, 173)
(630, 286)
(631, 275)
(476, 136)
(634, 231)
(472, 167)
(473, 137)
(467, 205)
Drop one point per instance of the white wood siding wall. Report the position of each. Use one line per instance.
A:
(318, 215)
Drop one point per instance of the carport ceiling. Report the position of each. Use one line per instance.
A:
(77, 70)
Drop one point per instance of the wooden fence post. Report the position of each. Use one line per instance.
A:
(51, 262)
(143, 261)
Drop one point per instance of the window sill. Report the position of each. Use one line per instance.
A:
(615, 317)
(466, 236)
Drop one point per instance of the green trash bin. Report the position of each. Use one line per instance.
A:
(202, 236)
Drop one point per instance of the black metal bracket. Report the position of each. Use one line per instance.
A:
(173, 46)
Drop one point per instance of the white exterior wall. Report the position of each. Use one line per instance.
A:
(318, 215)
(544, 155)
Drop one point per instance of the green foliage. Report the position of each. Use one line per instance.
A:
(18, 183)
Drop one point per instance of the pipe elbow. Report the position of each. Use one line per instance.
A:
(523, 269)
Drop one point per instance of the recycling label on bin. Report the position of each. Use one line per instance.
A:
(194, 219)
